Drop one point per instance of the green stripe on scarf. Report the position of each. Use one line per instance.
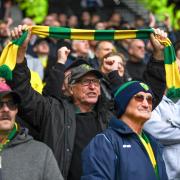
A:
(60, 32)
(169, 55)
(20, 41)
(104, 35)
(9, 53)
(143, 34)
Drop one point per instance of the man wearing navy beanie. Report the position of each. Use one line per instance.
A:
(124, 150)
(125, 92)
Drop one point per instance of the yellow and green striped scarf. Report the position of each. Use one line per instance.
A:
(9, 53)
(145, 141)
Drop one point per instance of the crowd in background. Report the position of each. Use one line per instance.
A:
(130, 58)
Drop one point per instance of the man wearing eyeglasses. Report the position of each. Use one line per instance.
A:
(21, 157)
(124, 151)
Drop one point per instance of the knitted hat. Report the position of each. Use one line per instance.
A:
(124, 93)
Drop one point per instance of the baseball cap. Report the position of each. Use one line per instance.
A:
(80, 71)
(6, 90)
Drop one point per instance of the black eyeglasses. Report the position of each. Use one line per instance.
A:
(140, 47)
(87, 82)
(10, 104)
(140, 98)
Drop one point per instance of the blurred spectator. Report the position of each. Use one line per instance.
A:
(51, 20)
(115, 61)
(85, 20)
(12, 13)
(72, 21)
(4, 34)
(39, 62)
(139, 23)
(30, 22)
(80, 49)
(123, 46)
(115, 20)
(95, 19)
(63, 19)
(164, 125)
(102, 48)
(100, 25)
(135, 64)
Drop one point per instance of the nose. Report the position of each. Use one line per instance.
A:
(145, 103)
(91, 85)
(5, 107)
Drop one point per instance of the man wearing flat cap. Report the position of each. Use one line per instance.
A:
(124, 151)
(21, 157)
(66, 124)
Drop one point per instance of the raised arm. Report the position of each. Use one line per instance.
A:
(154, 74)
(55, 80)
(34, 107)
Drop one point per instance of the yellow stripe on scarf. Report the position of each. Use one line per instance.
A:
(172, 75)
(82, 34)
(9, 55)
(129, 34)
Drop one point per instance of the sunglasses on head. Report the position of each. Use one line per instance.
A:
(10, 104)
(140, 98)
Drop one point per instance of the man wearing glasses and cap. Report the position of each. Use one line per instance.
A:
(124, 151)
(21, 157)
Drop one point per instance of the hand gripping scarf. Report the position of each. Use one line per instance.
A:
(8, 56)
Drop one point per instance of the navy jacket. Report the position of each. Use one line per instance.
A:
(117, 153)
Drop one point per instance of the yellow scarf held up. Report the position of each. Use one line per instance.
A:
(9, 53)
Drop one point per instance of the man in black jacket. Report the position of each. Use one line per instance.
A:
(68, 124)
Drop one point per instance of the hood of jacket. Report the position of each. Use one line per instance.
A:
(21, 137)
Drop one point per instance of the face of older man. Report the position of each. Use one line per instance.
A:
(140, 107)
(8, 111)
(103, 49)
(86, 91)
(137, 50)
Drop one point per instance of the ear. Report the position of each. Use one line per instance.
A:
(74, 46)
(16, 110)
(71, 90)
(35, 49)
(130, 51)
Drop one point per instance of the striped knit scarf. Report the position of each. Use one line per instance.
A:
(146, 143)
(9, 53)
(9, 137)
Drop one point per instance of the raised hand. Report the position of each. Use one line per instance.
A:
(63, 53)
(17, 33)
(156, 39)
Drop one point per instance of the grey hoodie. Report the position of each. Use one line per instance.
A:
(165, 126)
(26, 159)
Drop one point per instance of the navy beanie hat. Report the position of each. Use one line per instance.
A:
(125, 92)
